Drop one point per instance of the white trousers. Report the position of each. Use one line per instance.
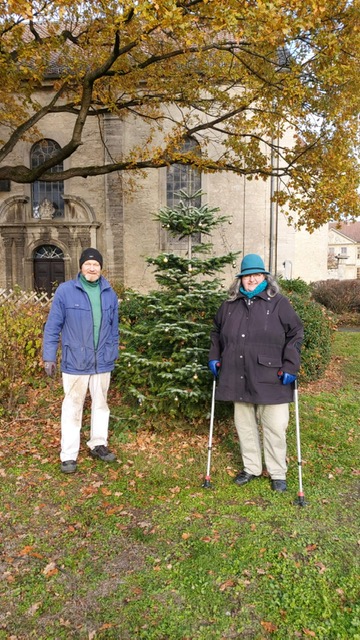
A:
(75, 390)
(274, 419)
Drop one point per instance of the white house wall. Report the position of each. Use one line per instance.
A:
(346, 267)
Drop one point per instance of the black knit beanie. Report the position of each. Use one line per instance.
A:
(91, 254)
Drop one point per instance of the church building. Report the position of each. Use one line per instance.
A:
(45, 226)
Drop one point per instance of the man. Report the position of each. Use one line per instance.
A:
(84, 315)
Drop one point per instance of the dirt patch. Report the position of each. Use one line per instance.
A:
(331, 380)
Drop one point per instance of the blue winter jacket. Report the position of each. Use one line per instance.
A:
(71, 318)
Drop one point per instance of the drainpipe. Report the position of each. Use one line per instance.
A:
(272, 190)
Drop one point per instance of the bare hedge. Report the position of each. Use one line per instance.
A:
(339, 296)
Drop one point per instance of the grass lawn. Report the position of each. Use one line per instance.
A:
(139, 550)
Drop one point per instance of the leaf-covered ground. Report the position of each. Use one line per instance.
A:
(138, 549)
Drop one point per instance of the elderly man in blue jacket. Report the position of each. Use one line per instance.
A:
(84, 317)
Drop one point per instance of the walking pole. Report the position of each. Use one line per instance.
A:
(207, 484)
(301, 498)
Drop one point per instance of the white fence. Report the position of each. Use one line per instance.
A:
(24, 297)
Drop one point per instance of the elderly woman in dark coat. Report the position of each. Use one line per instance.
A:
(255, 352)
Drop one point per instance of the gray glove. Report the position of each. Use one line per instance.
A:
(50, 368)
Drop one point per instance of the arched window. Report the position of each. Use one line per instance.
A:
(49, 268)
(187, 178)
(181, 176)
(48, 251)
(46, 196)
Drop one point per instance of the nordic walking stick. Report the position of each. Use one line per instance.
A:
(207, 484)
(301, 498)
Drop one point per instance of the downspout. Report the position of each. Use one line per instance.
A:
(271, 230)
(274, 209)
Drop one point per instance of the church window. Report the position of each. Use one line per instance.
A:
(47, 200)
(186, 178)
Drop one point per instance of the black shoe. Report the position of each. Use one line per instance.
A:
(68, 466)
(243, 477)
(278, 485)
(103, 453)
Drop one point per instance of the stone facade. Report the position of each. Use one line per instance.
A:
(115, 214)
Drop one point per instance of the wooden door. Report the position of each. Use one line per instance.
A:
(48, 274)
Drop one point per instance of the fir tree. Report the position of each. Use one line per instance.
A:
(166, 332)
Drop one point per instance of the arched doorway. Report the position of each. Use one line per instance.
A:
(49, 268)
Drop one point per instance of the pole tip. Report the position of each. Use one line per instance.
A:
(207, 484)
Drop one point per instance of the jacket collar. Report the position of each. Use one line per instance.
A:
(104, 284)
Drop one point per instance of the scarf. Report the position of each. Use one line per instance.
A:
(261, 287)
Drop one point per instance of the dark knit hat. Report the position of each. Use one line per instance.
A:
(91, 254)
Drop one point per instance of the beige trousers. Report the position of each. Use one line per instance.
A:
(274, 419)
(75, 389)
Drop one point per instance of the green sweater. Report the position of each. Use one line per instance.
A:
(93, 291)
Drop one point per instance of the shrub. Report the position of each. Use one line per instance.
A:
(294, 286)
(21, 328)
(318, 329)
(339, 296)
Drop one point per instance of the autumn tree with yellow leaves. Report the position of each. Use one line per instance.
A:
(265, 87)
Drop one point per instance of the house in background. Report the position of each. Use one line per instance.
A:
(344, 251)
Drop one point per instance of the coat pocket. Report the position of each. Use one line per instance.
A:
(79, 358)
(267, 369)
(111, 353)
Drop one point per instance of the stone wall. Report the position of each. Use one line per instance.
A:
(115, 213)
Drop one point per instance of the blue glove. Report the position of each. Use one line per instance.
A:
(214, 366)
(286, 378)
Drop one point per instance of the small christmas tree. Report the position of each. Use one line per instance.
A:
(166, 334)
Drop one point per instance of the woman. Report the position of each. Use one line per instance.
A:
(255, 351)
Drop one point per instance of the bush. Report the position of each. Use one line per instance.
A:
(318, 334)
(21, 327)
(294, 286)
(339, 296)
(318, 328)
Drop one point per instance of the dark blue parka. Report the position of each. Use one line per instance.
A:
(71, 318)
(253, 339)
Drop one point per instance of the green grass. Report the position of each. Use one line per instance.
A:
(139, 550)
